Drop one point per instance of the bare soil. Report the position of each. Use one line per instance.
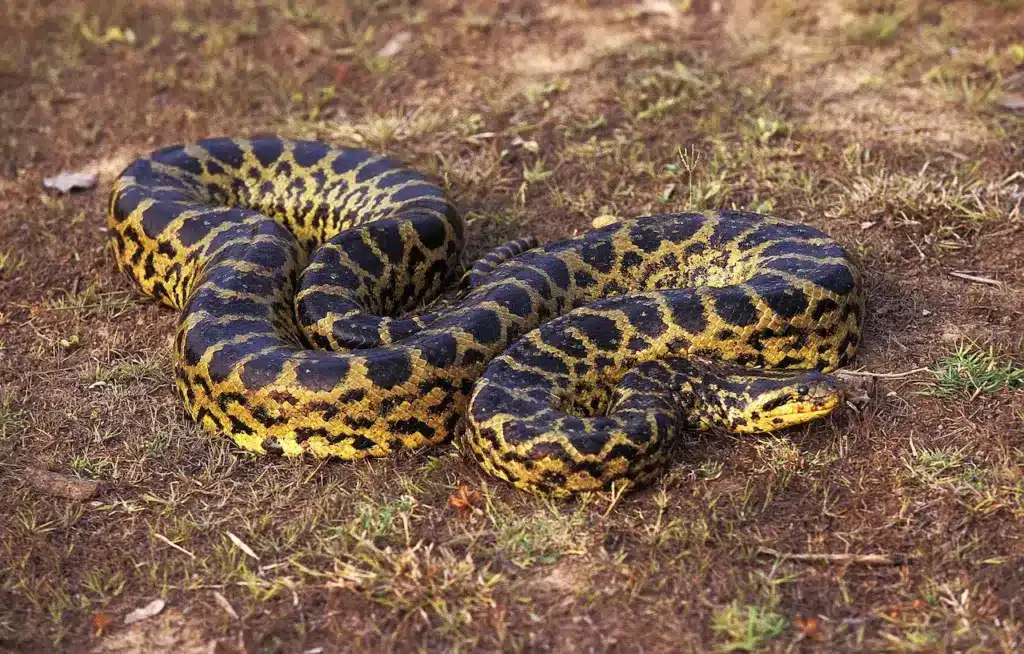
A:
(890, 124)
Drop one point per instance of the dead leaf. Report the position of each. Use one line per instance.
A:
(464, 500)
(145, 612)
(67, 182)
(58, 485)
(225, 604)
(100, 622)
(340, 72)
(808, 627)
(241, 545)
(395, 45)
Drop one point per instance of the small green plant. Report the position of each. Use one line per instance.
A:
(747, 627)
(974, 371)
(879, 27)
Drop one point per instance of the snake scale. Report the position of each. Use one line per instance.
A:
(296, 267)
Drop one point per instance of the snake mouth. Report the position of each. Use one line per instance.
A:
(797, 412)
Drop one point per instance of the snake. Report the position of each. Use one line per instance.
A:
(308, 279)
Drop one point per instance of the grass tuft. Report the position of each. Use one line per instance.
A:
(972, 371)
(746, 627)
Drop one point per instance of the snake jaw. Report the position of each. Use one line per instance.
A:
(802, 399)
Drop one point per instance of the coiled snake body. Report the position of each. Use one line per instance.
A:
(270, 246)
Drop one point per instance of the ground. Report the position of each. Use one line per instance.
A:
(891, 125)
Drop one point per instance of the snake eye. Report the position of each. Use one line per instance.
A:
(803, 390)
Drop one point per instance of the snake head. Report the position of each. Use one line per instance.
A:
(774, 401)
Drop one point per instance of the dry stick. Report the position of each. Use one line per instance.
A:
(976, 278)
(174, 545)
(863, 559)
(884, 375)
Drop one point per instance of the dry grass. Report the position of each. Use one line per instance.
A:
(878, 121)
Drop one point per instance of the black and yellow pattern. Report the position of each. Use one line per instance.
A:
(270, 246)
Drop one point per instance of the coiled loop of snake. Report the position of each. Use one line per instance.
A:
(293, 263)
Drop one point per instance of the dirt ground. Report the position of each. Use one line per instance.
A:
(897, 524)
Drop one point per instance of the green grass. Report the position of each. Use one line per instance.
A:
(871, 119)
(973, 371)
(746, 627)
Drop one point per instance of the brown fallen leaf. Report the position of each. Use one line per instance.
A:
(100, 622)
(808, 627)
(144, 612)
(58, 485)
(464, 500)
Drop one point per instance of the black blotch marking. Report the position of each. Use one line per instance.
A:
(627, 451)
(735, 306)
(825, 305)
(688, 311)
(374, 169)
(516, 300)
(562, 340)
(178, 158)
(731, 225)
(261, 415)
(637, 344)
(439, 350)
(602, 332)
(644, 315)
(127, 202)
(239, 427)
(388, 239)
(308, 153)
(213, 168)
(158, 216)
(363, 443)
(629, 261)
(225, 151)
(787, 302)
(267, 151)
(397, 176)
(599, 255)
(363, 256)
(583, 279)
(348, 159)
(388, 369)
(262, 370)
(322, 374)
(430, 231)
(474, 357)
(412, 426)
(483, 325)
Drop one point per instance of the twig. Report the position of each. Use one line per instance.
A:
(884, 375)
(174, 545)
(975, 278)
(863, 559)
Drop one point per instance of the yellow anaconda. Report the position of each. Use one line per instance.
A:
(294, 265)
